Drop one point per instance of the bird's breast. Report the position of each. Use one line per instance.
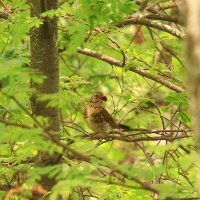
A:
(96, 121)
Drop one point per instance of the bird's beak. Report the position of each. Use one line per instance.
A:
(104, 98)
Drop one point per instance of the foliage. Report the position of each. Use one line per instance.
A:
(160, 154)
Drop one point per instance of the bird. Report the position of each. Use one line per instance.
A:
(98, 118)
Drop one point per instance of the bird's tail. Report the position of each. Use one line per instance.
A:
(126, 128)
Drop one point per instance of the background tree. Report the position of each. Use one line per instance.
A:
(193, 44)
(129, 50)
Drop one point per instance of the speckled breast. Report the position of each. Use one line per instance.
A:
(97, 123)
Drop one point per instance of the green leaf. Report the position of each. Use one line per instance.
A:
(184, 118)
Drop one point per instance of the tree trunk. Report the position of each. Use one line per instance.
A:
(193, 50)
(44, 61)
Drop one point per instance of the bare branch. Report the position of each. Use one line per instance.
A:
(141, 19)
(165, 18)
(133, 138)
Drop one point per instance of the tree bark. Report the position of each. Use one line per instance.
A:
(193, 51)
(44, 62)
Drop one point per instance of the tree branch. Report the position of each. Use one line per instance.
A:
(142, 20)
(157, 9)
(165, 18)
(137, 70)
(11, 123)
(133, 138)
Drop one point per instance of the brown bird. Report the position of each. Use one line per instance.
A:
(98, 118)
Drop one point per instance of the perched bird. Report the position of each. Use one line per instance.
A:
(98, 118)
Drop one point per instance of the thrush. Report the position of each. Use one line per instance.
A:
(98, 118)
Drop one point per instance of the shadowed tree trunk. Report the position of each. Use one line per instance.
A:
(193, 50)
(44, 61)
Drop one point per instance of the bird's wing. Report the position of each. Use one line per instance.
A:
(108, 118)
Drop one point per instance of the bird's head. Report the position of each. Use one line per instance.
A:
(98, 99)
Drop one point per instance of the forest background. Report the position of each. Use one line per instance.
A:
(143, 55)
